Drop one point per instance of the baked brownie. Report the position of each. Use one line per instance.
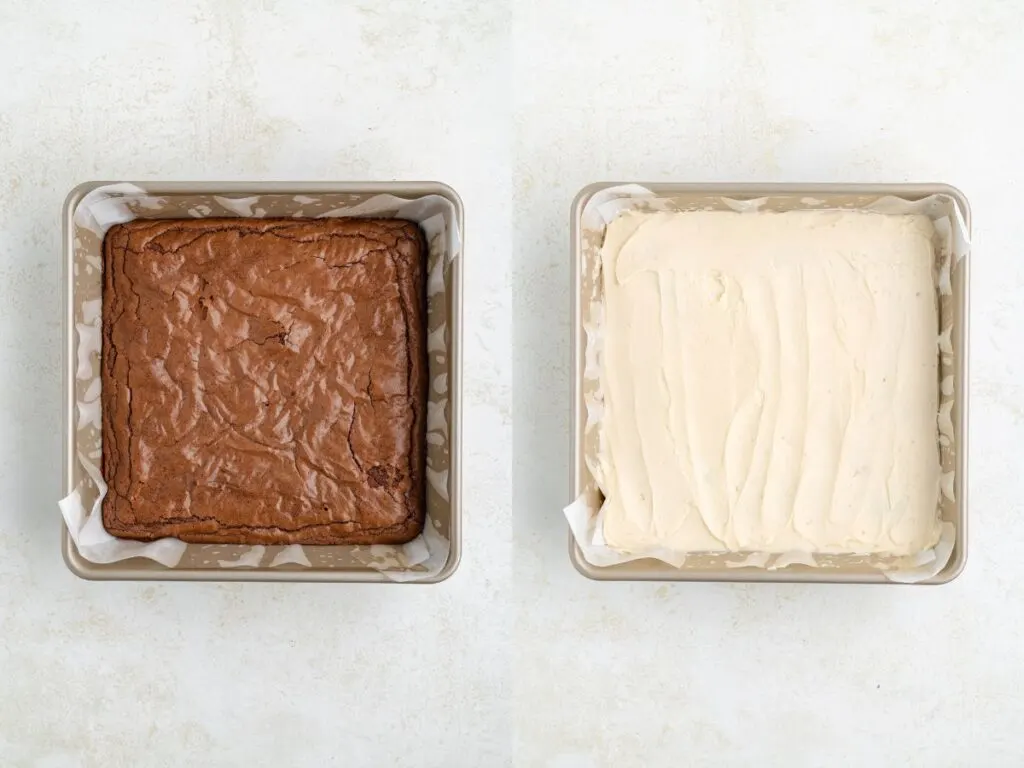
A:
(264, 380)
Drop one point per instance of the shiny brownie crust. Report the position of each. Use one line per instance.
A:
(264, 381)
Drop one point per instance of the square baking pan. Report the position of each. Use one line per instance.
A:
(81, 285)
(778, 197)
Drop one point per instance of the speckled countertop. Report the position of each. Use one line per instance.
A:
(516, 660)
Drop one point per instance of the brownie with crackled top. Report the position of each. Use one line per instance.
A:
(264, 381)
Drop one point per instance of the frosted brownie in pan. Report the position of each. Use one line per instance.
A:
(264, 380)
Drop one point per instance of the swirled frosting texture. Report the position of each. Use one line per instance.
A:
(770, 383)
(264, 380)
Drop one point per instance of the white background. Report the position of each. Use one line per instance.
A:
(516, 660)
(206, 675)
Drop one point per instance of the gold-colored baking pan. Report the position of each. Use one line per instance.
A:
(81, 260)
(779, 197)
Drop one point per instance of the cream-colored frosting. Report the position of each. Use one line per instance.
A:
(770, 383)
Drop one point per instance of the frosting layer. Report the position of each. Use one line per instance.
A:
(770, 383)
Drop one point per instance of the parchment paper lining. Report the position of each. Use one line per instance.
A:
(585, 514)
(105, 206)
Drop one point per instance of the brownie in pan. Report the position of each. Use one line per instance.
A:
(264, 381)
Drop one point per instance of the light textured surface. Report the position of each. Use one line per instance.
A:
(134, 675)
(591, 674)
(795, 676)
(769, 383)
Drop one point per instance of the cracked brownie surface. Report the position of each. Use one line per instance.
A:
(264, 381)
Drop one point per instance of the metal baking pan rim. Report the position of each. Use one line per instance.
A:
(798, 574)
(90, 571)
